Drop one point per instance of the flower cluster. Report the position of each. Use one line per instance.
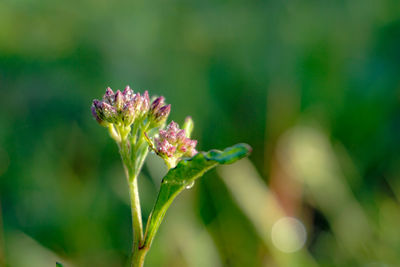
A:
(120, 108)
(173, 143)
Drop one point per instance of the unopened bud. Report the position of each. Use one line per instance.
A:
(109, 96)
(188, 126)
(109, 112)
(163, 113)
(128, 93)
(103, 112)
(145, 102)
(157, 104)
(159, 112)
(119, 101)
(95, 115)
(128, 114)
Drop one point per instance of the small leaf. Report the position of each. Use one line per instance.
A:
(58, 264)
(184, 175)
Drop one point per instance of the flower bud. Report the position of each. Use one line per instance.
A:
(188, 126)
(128, 114)
(103, 112)
(162, 113)
(159, 112)
(172, 144)
(109, 112)
(128, 93)
(157, 104)
(95, 115)
(119, 100)
(145, 102)
(109, 96)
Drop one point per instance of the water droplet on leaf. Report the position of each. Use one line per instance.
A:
(189, 185)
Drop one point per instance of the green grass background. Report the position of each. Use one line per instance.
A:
(312, 86)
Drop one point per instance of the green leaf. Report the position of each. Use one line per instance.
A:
(58, 264)
(183, 176)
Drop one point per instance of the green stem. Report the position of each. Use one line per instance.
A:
(133, 156)
(137, 260)
(140, 149)
(137, 228)
(138, 257)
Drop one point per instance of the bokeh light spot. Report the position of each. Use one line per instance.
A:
(288, 234)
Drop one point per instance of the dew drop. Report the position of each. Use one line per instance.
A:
(189, 185)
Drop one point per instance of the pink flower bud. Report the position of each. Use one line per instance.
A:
(128, 93)
(172, 144)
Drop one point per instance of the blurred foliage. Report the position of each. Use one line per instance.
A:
(312, 86)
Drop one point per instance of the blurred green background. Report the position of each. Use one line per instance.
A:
(312, 86)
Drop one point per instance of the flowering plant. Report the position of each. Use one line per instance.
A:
(138, 125)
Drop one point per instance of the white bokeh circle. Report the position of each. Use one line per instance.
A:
(288, 234)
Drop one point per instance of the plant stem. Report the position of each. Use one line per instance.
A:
(137, 259)
(133, 156)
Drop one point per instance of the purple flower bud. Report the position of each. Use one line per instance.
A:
(157, 104)
(128, 114)
(97, 110)
(162, 114)
(95, 115)
(128, 93)
(158, 112)
(109, 96)
(109, 112)
(103, 112)
(119, 100)
(109, 91)
(137, 103)
(97, 103)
